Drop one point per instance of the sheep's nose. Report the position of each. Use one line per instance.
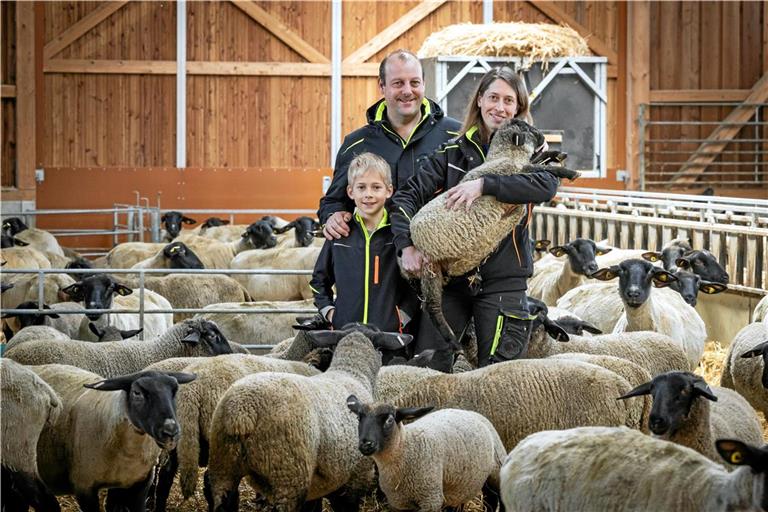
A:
(591, 269)
(633, 292)
(690, 299)
(170, 428)
(366, 447)
(657, 424)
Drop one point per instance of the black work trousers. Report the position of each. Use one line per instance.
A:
(502, 321)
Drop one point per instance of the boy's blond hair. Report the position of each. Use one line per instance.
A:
(365, 162)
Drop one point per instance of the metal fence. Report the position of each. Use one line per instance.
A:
(669, 148)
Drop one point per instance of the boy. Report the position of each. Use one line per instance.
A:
(363, 265)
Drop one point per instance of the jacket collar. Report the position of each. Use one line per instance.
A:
(376, 113)
(384, 222)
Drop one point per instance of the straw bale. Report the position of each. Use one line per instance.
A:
(534, 41)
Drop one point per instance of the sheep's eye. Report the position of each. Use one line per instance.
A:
(137, 394)
(390, 420)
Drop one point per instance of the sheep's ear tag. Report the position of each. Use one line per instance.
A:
(662, 277)
(518, 139)
(736, 458)
(650, 256)
(174, 249)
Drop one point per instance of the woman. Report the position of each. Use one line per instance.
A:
(494, 293)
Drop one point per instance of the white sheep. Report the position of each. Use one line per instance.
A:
(761, 310)
(744, 368)
(23, 258)
(25, 288)
(619, 469)
(442, 459)
(277, 287)
(27, 405)
(40, 239)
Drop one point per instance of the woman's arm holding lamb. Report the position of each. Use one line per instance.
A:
(535, 187)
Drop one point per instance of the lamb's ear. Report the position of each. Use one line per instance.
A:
(757, 350)
(662, 278)
(555, 330)
(193, 336)
(325, 338)
(683, 263)
(188, 220)
(642, 389)
(606, 274)
(390, 340)
(181, 377)
(711, 288)
(411, 413)
(354, 405)
(701, 388)
(540, 245)
(740, 454)
(590, 328)
(75, 292)
(123, 290)
(130, 333)
(285, 228)
(599, 251)
(123, 383)
(95, 330)
(651, 256)
(558, 250)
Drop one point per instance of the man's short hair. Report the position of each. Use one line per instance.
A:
(401, 54)
(365, 162)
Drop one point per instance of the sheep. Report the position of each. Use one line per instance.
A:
(442, 459)
(28, 404)
(305, 229)
(275, 221)
(22, 257)
(632, 372)
(195, 407)
(704, 264)
(127, 254)
(113, 358)
(173, 255)
(305, 449)
(277, 287)
(618, 469)
(522, 396)
(457, 241)
(744, 368)
(539, 249)
(97, 292)
(760, 314)
(682, 412)
(40, 239)
(25, 288)
(187, 291)
(550, 284)
(266, 329)
(172, 222)
(108, 435)
(68, 324)
(215, 254)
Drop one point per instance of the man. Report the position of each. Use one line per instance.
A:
(402, 127)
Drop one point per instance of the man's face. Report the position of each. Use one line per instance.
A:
(404, 88)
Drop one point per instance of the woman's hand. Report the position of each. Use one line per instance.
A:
(464, 194)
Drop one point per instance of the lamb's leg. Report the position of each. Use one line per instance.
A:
(560, 172)
(88, 501)
(490, 498)
(162, 489)
(546, 157)
(132, 499)
(432, 287)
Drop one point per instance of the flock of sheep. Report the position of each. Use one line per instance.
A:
(604, 413)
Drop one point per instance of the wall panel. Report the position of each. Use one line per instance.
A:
(8, 107)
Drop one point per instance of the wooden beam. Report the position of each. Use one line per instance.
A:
(698, 95)
(639, 81)
(722, 135)
(596, 44)
(25, 95)
(168, 67)
(81, 27)
(281, 31)
(765, 37)
(8, 91)
(392, 32)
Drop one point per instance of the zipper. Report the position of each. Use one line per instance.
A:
(368, 237)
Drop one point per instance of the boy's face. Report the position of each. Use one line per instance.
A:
(369, 192)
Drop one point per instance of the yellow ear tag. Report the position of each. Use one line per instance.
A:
(174, 250)
(663, 278)
(654, 259)
(710, 289)
(736, 457)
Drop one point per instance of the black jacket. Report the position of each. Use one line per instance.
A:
(369, 287)
(443, 170)
(380, 138)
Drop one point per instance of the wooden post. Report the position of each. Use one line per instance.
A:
(638, 88)
(25, 97)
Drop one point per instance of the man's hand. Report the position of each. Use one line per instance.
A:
(412, 260)
(464, 194)
(337, 226)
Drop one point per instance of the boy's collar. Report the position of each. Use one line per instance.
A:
(382, 223)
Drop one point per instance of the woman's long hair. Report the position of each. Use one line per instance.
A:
(474, 116)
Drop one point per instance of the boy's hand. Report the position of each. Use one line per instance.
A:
(337, 225)
(464, 194)
(412, 260)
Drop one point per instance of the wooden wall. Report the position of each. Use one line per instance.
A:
(8, 77)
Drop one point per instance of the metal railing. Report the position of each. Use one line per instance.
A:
(743, 162)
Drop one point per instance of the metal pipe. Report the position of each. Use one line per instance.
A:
(487, 12)
(141, 304)
(336, 29)
(181, 83)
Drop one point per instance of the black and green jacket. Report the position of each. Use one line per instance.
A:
(444, 169)
(380, 138)
(369, 288)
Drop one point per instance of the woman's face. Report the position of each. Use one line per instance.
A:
(497, 104)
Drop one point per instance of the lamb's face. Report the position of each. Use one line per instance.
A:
(516, 136)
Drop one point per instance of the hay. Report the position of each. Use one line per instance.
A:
(534, 41)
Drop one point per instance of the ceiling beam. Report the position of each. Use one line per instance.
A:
(392, 32)
(595, 44)
(81, 27)
(8, 91)
(281, 31)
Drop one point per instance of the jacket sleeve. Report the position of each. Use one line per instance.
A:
(426, 182)
(535, 187)
(336, 199)
(323, 278)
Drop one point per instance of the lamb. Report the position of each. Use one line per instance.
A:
(114, 358)
(441, 459)
(172, 222)
(109, 435)
(22, 257)
(195, 407)
(619, 469)
(307, 448)
(305, 229)
(173, 255)
(523, 396)
(28, 404)
(277, 287)
(761, 310)
(682, 413)
(456, 241)
(550, 284)
(25, 288)
(38, 238)
(267, 329)
(632, 372)
(744, 369)
(216, 254)
(68, 324)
